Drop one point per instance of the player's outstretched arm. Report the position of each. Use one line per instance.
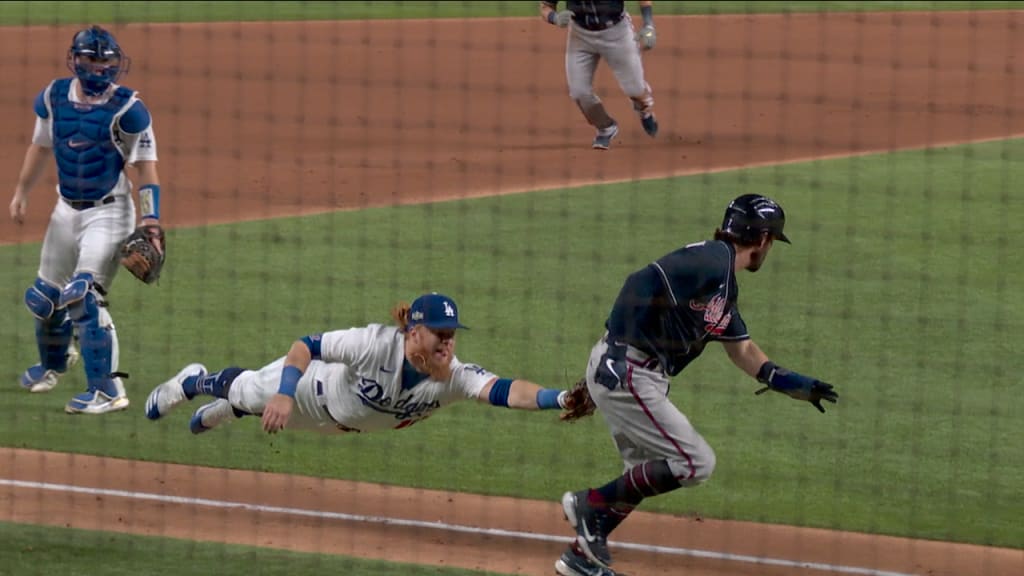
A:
(522, 395)
(749, 357)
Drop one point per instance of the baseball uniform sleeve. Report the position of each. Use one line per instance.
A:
(136, 134)
(737, 328)
(41, 135)
(470, 379)
(356, 346)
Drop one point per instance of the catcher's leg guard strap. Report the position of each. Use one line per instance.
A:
(53, 329)
(95, 331)
(595, 113)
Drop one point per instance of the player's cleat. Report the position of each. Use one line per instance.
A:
(603, 140)
(585, 519)
(573, 564)
(209, 416)
(38, 379)
(170, 394)
(650, 124)
(96, 402)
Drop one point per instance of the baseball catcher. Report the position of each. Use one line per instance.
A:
(143, 252)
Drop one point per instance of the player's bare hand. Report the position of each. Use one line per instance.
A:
(563, 18)
(19, 205)
(647, 37)
(277, 413)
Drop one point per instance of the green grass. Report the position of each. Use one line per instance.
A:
(899, 288)
(37, 550)
(51, 12)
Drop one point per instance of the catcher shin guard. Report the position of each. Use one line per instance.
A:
(53, 328)
(97, 336)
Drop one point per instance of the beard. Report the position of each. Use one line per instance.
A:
(438, 366)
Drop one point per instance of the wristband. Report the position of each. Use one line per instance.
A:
(312, 342)
(289, 381)
(549, 399)
(149, 201)
(551, 17)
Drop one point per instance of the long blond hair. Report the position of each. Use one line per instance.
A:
(400, 314)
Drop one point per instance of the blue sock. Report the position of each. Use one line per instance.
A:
(215, 384)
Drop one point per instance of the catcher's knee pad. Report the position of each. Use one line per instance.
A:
(43, 300)
(84, 301)
(53, 329)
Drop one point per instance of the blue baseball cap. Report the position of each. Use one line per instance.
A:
(435, 311)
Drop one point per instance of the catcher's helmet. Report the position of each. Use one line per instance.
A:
(749, 215)
(96, 59)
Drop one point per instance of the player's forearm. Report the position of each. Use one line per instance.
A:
(746, 355)
(296, 362)
(647, 11)
(522, 395)
(149, 190)
(31, 168)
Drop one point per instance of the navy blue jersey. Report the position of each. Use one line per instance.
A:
(674, 306)
(595, 14)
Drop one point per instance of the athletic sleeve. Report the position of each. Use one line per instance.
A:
(41, 133)
(470, 379)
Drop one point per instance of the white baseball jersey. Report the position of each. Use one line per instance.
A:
(357, 384)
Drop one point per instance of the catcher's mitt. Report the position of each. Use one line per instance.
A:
(141, 256)
(578, 403)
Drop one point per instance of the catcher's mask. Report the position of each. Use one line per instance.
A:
(750, 215)
(96, 59)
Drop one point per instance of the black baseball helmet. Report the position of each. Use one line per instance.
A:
(749, 215)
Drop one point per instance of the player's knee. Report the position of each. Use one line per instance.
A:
(696, 468)
(43, 300)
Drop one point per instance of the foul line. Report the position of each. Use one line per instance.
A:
(164, 498)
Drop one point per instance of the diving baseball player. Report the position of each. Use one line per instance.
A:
(94, 128)
(604, 29)
(361, 379)
(664, 316)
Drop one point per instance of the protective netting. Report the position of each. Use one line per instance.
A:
(321, 162)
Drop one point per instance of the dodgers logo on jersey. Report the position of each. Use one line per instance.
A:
(372, 394)
(716, 317)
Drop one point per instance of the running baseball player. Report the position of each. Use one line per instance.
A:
(361, 379)
(94, 128)
(664, 316)
(604, 29)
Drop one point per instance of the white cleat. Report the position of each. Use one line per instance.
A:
(170, 394)
(211, 415)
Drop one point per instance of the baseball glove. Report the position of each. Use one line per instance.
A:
(141, 256)
(578, 403)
